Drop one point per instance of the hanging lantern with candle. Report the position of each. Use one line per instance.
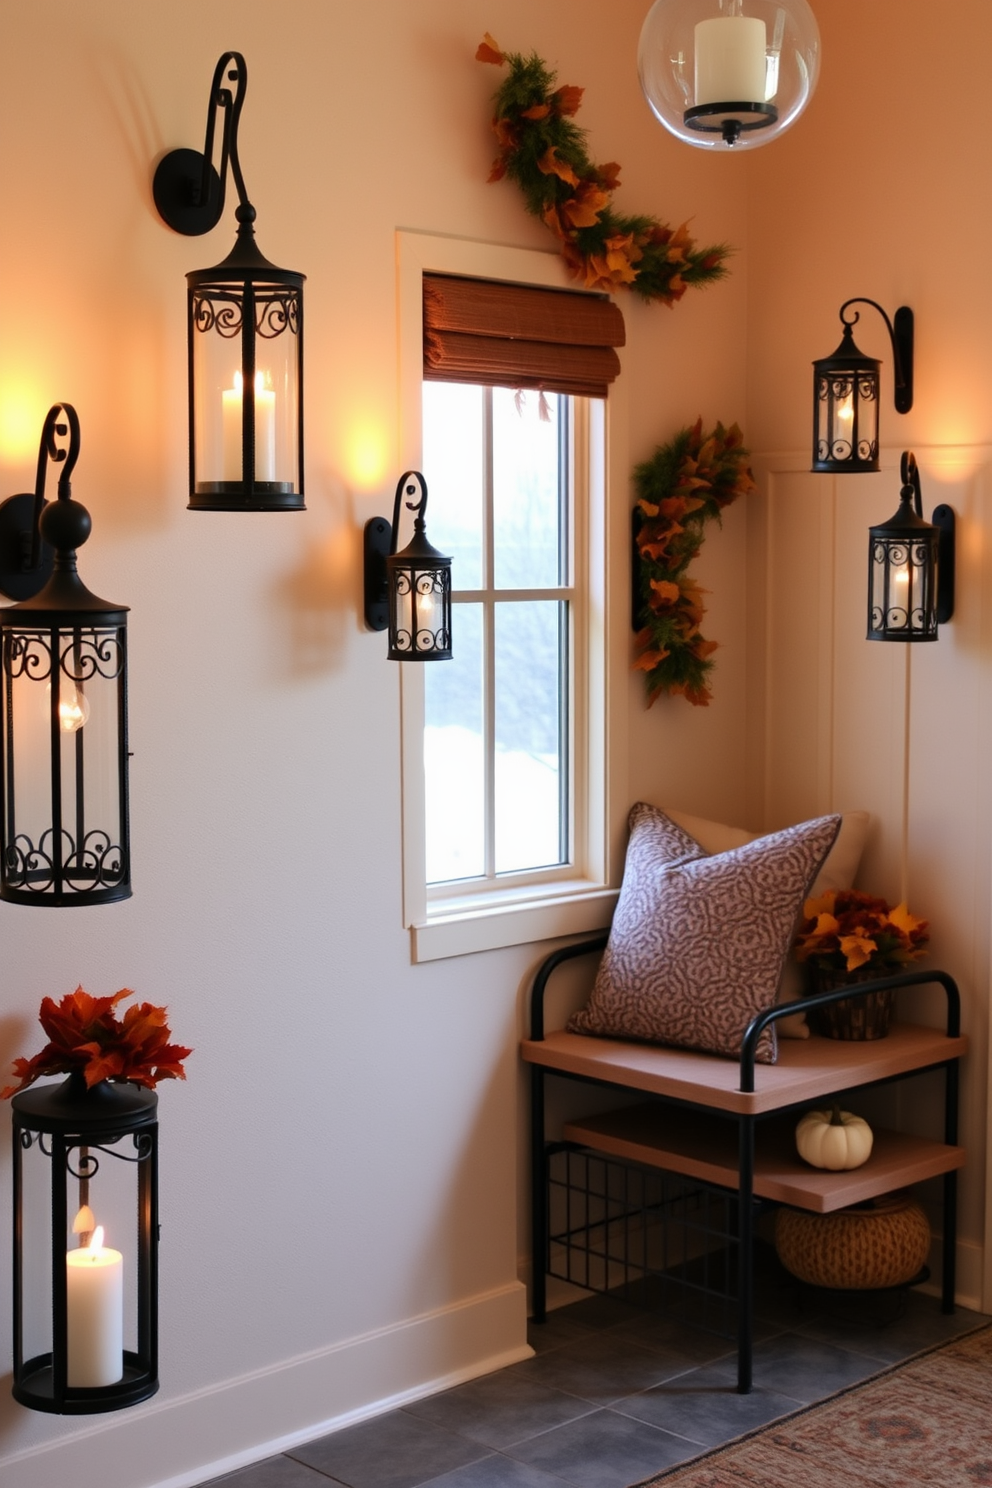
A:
(728, 73)
(244, 330)
(846, 394)
(409, 592)
(63, 721)
(910, 567)
(86, 1206)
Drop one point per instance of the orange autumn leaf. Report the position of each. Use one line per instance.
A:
(497, 170)
(583, 209)
(505, 133)
(649, 660)
(858, 949)
(488, 51)
(904, 921)
(667, 593)
(536, 111)
(608, 175)
(550, 165)
(567, 99)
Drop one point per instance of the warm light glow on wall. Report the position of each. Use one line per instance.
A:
(22, 409)
(368, 455)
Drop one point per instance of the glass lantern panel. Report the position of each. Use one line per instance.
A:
(63, 829)
(245, 336)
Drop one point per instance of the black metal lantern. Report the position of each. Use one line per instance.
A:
(85, 1246)
(408, 591)
(63, 722)
(846, 395)
(245, 332)
(910, 567)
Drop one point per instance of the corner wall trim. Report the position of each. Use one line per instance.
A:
(197, 1437)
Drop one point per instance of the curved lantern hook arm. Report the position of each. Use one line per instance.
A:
(61, 419)
(222, 100)
(901, 340)
(911, 488)
(417, 507)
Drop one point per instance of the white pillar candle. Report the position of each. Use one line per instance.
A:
(94, 1277)
(730, 60)
(265, 430)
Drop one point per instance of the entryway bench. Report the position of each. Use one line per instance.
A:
(730, 1125)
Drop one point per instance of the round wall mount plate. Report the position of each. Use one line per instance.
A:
(175, 186)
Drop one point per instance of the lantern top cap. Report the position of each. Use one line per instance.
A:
(71, 1106)
(848, 356)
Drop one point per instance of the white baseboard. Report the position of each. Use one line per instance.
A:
(181, 1442)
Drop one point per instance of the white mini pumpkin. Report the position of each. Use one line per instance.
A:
(833, 1139)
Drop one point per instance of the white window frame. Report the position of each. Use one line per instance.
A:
(580, 897)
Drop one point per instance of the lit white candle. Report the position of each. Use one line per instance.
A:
(94, 1277)
(265, 429)
(730, 60)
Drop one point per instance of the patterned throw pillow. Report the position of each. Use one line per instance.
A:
(698, 943)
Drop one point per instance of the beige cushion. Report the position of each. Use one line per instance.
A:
(698, 942)
(838, 872)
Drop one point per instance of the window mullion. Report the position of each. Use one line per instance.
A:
(489, 638)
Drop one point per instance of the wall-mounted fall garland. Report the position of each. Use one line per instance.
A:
(685, 483)
(545, 154)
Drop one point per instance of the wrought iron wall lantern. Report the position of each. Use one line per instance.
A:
(410, 592)
(85, 1169)
(63, 721)
(244, 327)
(846, 394)
(728, 73)
(910, 567)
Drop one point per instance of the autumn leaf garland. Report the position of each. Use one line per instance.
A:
(544, 152)
(685, 484)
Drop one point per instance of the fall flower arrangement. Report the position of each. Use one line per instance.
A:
(685, 484)
(544, 152)
(86, 1037)
(847, 931)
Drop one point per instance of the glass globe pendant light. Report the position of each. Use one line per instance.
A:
(728, 74)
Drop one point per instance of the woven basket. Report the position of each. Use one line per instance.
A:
(859, 1018)
(884, 1244)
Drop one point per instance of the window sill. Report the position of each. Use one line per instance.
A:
(465, 927)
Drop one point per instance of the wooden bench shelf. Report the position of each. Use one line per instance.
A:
(731, 1124)
(701, 1146)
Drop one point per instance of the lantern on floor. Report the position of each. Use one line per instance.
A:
(244, 330)
(910, 567)
(85, 1246)
(410, 591)
(846, 394)
(63, 722)
(728, 73)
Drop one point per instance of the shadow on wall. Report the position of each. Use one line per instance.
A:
(320, 600)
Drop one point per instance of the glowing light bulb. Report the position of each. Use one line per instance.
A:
(74, 706)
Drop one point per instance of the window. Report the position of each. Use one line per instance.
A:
(510, 768)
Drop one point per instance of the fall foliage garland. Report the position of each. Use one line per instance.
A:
(545, 154)
(687, 481)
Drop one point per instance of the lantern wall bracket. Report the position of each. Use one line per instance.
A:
(900, 330)
(188, 189)
(380, 542)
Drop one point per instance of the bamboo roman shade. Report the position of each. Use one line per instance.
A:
(508, 335)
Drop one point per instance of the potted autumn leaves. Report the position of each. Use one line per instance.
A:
(848, 937)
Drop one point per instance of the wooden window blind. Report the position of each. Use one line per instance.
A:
(508, 335)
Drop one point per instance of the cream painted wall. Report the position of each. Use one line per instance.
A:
(339, 1173)
(879, 191)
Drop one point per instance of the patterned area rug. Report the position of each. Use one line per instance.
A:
(925, 1422)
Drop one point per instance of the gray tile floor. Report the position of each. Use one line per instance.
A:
(616, 1393)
